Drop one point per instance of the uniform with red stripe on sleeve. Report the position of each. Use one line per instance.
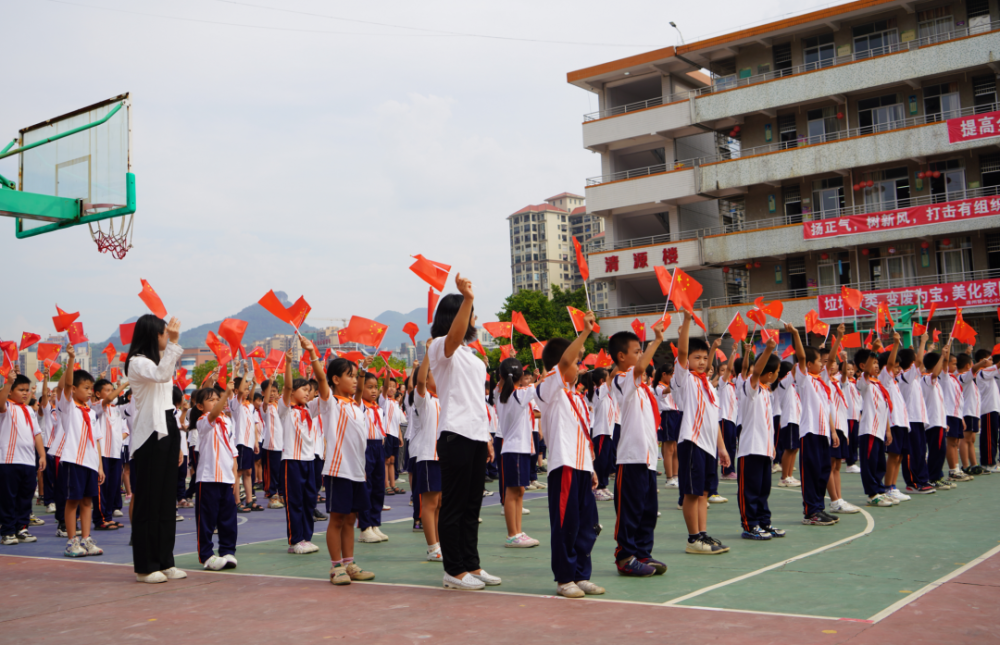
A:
(564, 417)
(79, 441)
(346, 426)
(639, 420)
(875, 404)
(301, 432)
(17, 434)
(700, 404)
(216, 450)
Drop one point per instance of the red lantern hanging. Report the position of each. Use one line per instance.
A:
(749, 266)
(925, 245)
(920, 175)
(840, 115)
(756, 265)
(864, 251)
(857, 187)
(725, 269)
(946, 242)
(892, 250)
(736, 128)
(869, 183)
(824, 256)
(936, 174)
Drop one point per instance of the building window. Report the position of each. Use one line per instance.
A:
(792, 202)
(834, 271)
(984, 94)
(935, 24)
(818, 51)
(786, 130)
(942, 102)
(891, 190)
(950, 185)
(828, 197)
(875, 39)
(797, 282)
(880, 114)
(955, 260)
(823, 124)
(782, 59)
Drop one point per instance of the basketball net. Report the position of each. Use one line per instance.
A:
(116, 243)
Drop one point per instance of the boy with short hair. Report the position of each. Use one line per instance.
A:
(790, 407)
(817, 430)
(943, 398)
(873, 427)
(989, 425)
(701, 446)
(635, 479)
(899, 420)
(109, 429)
(966, 371)
(273, 445)
(756, 445)
(247, 439)
(22, 440)
(572, 506)
(922, 411)
(80, 470)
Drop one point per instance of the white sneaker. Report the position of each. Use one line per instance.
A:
(275, 502)
(91, 547)
(378, 532)
(541, 485)
(231, 560)
(671, 483)
(570, 590)
(151, 578)
(485, 578)
(368, 536)
(853, 469)
(879, 500)
(435, 556)
(717, 499)
(775, 468)
(896, 495)
(214, 563)
(386, 507)
(525, 511)
(993, 469)
(531, 486)
(116, 513)
(468, 583)
(590, 588)
(302, 548)
(312, 548)
(51, 508)
(843, 506)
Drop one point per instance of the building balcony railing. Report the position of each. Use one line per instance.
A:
(779, 146)
(725, 83)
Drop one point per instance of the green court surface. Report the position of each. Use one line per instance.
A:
(862, 566)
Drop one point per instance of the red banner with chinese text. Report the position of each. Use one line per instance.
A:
(977, 293)
(902, 218)
(974, 126)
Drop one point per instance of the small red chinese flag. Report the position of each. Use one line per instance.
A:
(125, 333)
(258, 352)
(536, 350)
(432, 303)
(354, 357)
(698, 321)
(39, 375)
(153, 302)
(47, 350)
(114, 375)
(919, 330)
(685, 291)
(580, 260)
(757, 316)
(411, 329)
(223, 373)
(123, 356)
(788, 351)
(603, 360)
(590, 360)
(738, 329)
(9, 349)
(851, 297)
(303, 368)
(773, 309)
(76, 335)
(721, 355)
(364, 331)
(821, 328)
(499, 329)
(110, 352)
(506, 352)
(273, 305)
(665, 318)
(433, 273)
(476, 345)
(520, 324)
(298, 311)
(28, 339)
(868, 338)
(231, 330)
(51, 366)
(577, 317)
(663, 277)
(64, 320)
(257, 372)
(327, 354)
(640, 329)
(673, 349)
(930, 314)
(937, 335)
(811, 319)
(768, 334)
(385, 356)
(275, 361)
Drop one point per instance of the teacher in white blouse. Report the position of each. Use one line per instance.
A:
(464, 445)
(155, 447)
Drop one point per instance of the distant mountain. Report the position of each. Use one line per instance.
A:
(260, 325)
(395, 336)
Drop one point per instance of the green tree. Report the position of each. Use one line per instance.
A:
(546, 318)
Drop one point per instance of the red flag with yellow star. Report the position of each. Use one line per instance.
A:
(28, 339)
(684, 291)
(639, 328)
(148, 296)
(363, 331)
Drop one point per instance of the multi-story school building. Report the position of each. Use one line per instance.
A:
(857, 145)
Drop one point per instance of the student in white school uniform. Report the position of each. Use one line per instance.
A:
(790, 407)
(21, 440)
(572, 506)
(215, 505)
(817, 431)
(46, 423)
(987, 380)
(393, 441)
(346, 427)
(701, 447)
(756, 446)
(834, 377)
(515, 414)
(965, 370)
(899, 417)
(273, 445)
(426, 474)
(319, 449)
(247, 437)
(80, 470)
(301, 435)
(370, 521)
(727, 417)
(850, 389)
(599, 395)
(110, 428)
(181, 418)
(874, 426)
(925, 406)
(190, 424)
(948, 428)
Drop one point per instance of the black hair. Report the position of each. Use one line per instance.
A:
(445, 314)
(907, 356)
(824, 351)
(511, 372)
(861, 357)
(313, 383)
(490, 398)
(883, 359)
(32, 401)
(619, 343)
(697, 345)
(738, 365)
(931, 359)
(964, 360)
(101, 383)
(178, 396)
(218, 388)
(338, 367)
(597, 376)
(198, 398)
(650, 371)
(258, 395)
(299, 382)
(981, 354)
(19, 380)
(80, 377)
(237, 382)
(773, 365)
(365, 377)
(666, 368)
(554, 351)
(783, 371)
(811, 353)
(146, 339)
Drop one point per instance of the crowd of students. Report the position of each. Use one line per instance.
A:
(339, 440)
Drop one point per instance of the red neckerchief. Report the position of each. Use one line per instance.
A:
(220, 423)
(582, 428)
(705, 385)
(304, 416)
(826, 388)
(24, 409)
(837, 387)
(378, 417)
(86, 423)
(885, 392)
(489, 417)
(653, 405)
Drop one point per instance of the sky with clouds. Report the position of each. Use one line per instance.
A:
(313, 155)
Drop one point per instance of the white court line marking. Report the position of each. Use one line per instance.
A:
(869, 527)
(896, 606)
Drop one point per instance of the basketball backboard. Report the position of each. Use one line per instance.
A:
(75, 169)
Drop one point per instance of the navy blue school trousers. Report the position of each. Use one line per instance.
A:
(871, 459)
(754, 473)
(215, 508)
(635, 511)
(111, 488)
(411, 467)
(814, 468)
(937, 443)
(915, 462)
(193, 463)
(182, 473)
(300, 499)
(49, 479)
(573, 520)
(318, 474)
(604, 453)
(729, 438)
(852, 442)
(17, 487)
(536, 441)
(274, 474)
(493, 467)
(989, 434)
(374, 484)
